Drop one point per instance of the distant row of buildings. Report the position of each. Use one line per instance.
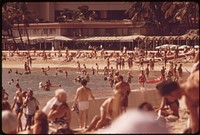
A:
(116, 26)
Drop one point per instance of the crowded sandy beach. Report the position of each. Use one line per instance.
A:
(137, 72)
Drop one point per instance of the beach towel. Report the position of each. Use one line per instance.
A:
(159, 79)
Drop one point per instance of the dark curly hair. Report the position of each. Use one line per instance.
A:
(166, 87)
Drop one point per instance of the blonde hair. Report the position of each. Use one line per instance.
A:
(40, 116)
(41, 119)
(61, 94)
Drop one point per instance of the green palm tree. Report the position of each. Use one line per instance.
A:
(16, 13)
(65, 15)
(27, 18)
(163, 14)
(17, 18)
(84, 13)
(7, 20)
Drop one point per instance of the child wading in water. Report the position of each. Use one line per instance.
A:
(142, 79)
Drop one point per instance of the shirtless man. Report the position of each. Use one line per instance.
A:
(108, 63)
(97, 68)
(142, 79)
(123, 87)
(109, 111)
(83, 94)
(189, 89)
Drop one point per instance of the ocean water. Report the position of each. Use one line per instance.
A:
(100, 88)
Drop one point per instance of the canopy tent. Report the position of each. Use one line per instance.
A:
(131, 38)
(113, 38)
(41, 38)
(196, 46)
(184, 46)
(102, 38)
(167, 45)
(60, 38)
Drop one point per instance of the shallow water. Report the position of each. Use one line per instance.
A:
(98, 85)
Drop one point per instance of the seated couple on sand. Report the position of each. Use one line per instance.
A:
(109, 110)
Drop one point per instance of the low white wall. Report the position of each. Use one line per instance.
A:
(136, 97)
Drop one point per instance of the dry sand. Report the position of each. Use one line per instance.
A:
(176, 127)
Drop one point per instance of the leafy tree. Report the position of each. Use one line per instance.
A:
(7, 20)
(16, 13)
(163, 14)
(65, 15)
(82, 13)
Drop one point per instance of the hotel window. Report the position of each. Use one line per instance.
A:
(85, 32)
(22, 32)
(111, 32)
(125, 31)
(90, 32)
(45, 31)
(102, 32)
(35, 31)
(97, 32)
(52, 31)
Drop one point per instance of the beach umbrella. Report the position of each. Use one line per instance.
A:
(62, 38)
(196, 46)
(171, 46)
(184, 46)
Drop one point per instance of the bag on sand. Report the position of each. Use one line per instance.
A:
(75, 108)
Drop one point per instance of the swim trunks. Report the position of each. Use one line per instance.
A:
(125, 102)
(83, 105)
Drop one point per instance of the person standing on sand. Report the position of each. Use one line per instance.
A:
(93, 71)
(175, 72)
(82, 96)
(180, 71)
(78, 67)
(17, 103)
(32, 105)
(97, 68)
(147, 71)
(123, 87)
(108, 63)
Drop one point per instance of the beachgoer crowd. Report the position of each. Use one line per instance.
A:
(114, 110)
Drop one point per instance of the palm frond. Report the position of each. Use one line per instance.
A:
(145, 5)
(180, 14)
(170, 11)
(165, 6)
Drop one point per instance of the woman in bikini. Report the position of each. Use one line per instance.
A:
(17, 103)
(167, 104)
